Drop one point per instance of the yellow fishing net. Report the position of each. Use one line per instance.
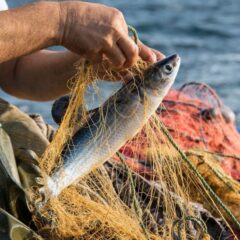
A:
(113, 201)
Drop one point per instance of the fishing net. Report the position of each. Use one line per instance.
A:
(196, 118)
(203, 122)
(149, 189)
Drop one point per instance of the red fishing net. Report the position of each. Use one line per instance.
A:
(196, 118)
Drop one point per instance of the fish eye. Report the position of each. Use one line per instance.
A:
(168, 68)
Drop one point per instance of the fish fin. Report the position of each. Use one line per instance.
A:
(60, 106)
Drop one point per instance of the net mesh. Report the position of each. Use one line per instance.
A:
(146, 191)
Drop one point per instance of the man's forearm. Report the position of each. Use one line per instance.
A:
(40, 76)
(28, 29)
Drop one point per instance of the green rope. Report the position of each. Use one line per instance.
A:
(136, 204)
(134, 32)
(179, 223)
(200, 177)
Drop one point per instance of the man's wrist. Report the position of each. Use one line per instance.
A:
(53, 22)
(67, 17)
(61, 22)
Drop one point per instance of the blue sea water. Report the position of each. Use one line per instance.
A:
(206, 34)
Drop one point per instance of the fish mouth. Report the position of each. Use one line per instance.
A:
(174, 60)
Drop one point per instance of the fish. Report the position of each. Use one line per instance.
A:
(118, 120)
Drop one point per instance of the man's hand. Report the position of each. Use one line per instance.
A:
(93, 31)
(97, 32)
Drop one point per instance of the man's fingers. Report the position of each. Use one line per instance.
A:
(125, 53)
(129, 49)
(115, 56)
(146, 53)
(158, 54)
(149, 54)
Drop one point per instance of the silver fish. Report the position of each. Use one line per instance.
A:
(120, 118)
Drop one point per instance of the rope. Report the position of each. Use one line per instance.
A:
(136, 204)
(179, 223)
(200, 177)
(134, 33)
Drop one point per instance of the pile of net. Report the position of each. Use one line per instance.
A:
(197, 119)
(152, 188)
